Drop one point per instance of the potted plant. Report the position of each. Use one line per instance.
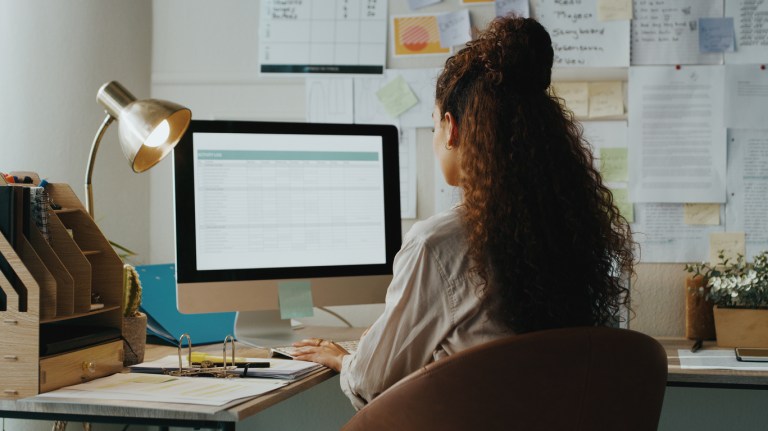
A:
(739, 292)
(134, 321)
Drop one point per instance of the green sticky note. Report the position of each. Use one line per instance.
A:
(295, 299)
(621, 200)
(613, 164)
(397, 97)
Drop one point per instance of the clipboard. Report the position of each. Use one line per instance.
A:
(163, 318)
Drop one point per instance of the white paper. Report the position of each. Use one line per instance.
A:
(578, 38)
(747, 207)
(750, 18)
(663, 236)
(330, 100)
(167, 389)
(605, 134)
(368, 109)
(677, 142)
(667, 32)
(418, 4)
(278, 368)
(407, 173)
(446, 196)
(454, 28)
(746, 96)
(305, 37)
(720, 359)
(515, 7)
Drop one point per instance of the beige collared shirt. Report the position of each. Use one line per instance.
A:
(432, 310)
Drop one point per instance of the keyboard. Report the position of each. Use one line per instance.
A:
(290, 351)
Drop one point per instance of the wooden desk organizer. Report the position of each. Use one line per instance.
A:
(59, 276)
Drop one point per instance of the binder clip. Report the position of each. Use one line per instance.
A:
(205, 368)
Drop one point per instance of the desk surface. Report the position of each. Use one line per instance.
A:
(226, 417)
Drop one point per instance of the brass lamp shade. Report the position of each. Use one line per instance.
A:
(138, 119)
(147, 129)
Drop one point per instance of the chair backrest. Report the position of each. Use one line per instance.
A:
(588, 378)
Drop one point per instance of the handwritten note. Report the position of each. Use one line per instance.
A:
(514, 7)
(579, 38)
(716, 35)
(575, 95)
(606, 99)
(613, 164)
(703, 214)
(611, 10)
(751, 21)
(454, 28)
(666, 32)
(397, 97)
(731, 244)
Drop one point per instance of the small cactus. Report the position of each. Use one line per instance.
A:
(131, 291)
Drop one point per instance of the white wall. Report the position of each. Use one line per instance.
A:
(54, 56)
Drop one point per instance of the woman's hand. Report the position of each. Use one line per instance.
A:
(324, 352)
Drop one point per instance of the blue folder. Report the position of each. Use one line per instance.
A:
(164, 320)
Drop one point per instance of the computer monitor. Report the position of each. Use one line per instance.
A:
(261, 204)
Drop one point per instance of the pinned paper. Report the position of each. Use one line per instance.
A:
(576, 96)
(614, 10)
(606, 99)
(418, 4)
(731, 244)
(454, 28)
(476, 2)
(416, 35)
(397, 97)
(295, 299)
(716, 35)
(514, 7)
(701, 214)
(621, 200)
(613, 164)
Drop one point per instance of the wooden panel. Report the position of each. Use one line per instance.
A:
(77, 264)
(65, 284)
(81, 365)
(62, 195)
(107, 268)
(45, 280)
(18, 333)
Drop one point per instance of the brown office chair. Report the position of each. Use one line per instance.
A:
(587, 378)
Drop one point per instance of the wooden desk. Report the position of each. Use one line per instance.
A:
(732, 379)
(227, 417)
(223, 417)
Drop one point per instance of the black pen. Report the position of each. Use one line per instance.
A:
(696, 346)
(253, 365)
(237, 364)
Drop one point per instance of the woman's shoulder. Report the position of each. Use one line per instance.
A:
(441, 228)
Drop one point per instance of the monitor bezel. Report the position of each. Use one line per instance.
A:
(184, 200)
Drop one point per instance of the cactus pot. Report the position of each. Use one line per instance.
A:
(134, 339)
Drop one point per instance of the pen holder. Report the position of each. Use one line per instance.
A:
(699, 318)
(134, 339)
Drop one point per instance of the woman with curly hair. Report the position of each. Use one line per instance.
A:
(536, 242)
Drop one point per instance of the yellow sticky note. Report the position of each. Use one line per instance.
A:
(613, 164)
(575, 95)
(295, 299)
(606, 99)
(397, 97)
(621, 200)
(614, 10)
(730, 243)
(704, 214)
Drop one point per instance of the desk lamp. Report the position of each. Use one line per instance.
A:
(148, 129)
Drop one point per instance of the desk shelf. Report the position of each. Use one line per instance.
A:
(58, 276)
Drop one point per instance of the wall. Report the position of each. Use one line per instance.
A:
(54, 56)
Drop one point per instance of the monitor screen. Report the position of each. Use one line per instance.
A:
(258, 204)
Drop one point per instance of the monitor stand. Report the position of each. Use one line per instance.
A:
(264, 328)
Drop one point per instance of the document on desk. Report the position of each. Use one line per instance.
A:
(716, 360)
(278, 368)
(168, 389)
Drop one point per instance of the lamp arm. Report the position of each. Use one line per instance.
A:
(89, 170)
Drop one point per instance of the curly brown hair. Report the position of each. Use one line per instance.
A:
(545, 237)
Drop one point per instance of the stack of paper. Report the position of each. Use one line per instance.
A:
(278, 368)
